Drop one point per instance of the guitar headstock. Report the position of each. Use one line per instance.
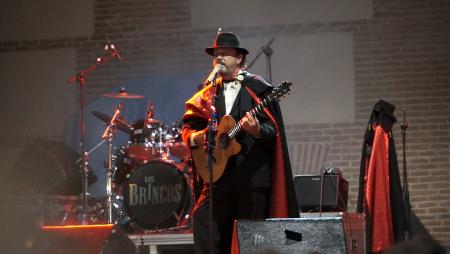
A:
(281, 90)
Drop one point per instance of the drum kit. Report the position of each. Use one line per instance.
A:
(148, 179)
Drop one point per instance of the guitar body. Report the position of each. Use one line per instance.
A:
(221, 154)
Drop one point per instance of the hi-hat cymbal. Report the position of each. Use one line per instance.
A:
(121, 124)
(122, 94)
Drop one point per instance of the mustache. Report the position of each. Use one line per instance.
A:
(220, 62)
(221, 67)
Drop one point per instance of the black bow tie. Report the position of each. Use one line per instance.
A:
(228, 80)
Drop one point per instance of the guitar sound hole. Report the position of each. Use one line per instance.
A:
(224, 141)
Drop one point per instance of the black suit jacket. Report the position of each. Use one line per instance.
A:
(252, 166)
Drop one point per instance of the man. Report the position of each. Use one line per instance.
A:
(257, 182)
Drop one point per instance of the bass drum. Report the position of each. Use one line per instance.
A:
(156, 196)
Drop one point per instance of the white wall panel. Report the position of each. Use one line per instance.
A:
(321, 68)
(218, 13)
(43, 19)
(36, 99)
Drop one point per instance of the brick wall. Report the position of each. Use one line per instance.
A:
(402, 55)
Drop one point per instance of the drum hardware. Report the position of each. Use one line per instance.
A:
(121, 124)
(90, 151)
(108, 135)
(155, 134)
(122, 94)
(146, 143)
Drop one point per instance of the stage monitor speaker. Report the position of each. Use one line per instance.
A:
(340, 234)
(89, 239)
(335, 193)
(46, 167)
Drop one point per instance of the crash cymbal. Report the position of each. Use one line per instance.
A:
(122, 94)
(121, 124)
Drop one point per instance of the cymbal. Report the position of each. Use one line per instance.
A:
(121, 124)
(122, 94)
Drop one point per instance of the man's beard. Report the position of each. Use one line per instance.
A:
(223, 69)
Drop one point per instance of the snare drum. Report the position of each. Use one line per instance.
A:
(156, 195)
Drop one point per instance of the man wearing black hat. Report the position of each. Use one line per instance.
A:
(257, 182)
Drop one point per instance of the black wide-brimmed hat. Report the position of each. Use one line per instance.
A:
(226, 40)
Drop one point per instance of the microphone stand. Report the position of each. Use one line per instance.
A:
(80, 78)
(406, 201)
(268, 51)
(322, 173)
(209, 148)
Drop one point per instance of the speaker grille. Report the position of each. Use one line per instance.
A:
(301, 235)
(335, 193)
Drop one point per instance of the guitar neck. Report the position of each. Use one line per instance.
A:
(253, 112)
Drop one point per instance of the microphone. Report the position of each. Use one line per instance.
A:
(115, 52)
(213, 73)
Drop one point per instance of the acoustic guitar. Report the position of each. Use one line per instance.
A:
(227, 130)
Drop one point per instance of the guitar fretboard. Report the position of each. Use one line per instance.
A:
(253, 112)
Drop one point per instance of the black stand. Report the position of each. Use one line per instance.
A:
(405, 197)
(268, 51)
(209, 148)
(322, 173)
(108, 135)
(80, 78)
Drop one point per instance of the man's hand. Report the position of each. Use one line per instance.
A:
(198, 138)
(251, 125)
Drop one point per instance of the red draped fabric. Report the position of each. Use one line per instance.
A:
(377, 192)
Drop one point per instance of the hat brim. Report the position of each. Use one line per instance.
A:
(210, 50)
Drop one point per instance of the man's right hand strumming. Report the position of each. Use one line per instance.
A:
(197, 138)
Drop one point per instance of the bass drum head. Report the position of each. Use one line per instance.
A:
(156, 195)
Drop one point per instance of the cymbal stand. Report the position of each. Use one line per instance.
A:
(80, 79)
(109, 135)
(405, 196)
(92, 149)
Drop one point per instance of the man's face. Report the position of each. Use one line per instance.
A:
(229, 59)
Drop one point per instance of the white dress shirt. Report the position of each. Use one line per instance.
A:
(230, 92)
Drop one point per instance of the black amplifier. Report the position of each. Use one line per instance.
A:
(335, 192)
